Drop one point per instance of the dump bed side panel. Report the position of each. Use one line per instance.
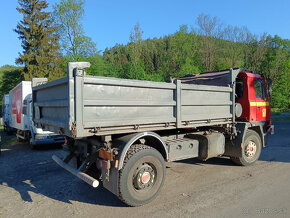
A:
(111, 104)
(205, 104)
(117, 105)
(81, 106)
(51, 106)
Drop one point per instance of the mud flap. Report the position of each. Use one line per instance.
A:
(110, 179)
(234, 148)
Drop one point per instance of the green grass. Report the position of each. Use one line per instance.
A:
(280, 116)
(280, 119)
(9, 142)
(276, 113)
(279, 110)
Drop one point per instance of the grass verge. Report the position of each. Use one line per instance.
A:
(8, 142)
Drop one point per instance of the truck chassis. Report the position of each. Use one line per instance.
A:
(122, 132)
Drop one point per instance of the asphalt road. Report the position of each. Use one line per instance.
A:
(32, 185)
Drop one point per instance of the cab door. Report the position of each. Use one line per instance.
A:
(261, 101)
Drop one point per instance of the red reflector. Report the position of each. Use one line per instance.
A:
(106, 155)
(65, 140)
(104, 164)
(272, 130)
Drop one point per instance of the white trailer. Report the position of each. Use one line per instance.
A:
(20, 118)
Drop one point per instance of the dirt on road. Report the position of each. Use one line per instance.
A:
(32, 185)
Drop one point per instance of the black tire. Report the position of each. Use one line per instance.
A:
(252, 139)
(33, 146)
(9, 132)
(142, 176)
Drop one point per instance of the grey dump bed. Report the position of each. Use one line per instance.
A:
(80, 106)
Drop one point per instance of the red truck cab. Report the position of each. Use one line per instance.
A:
(252, 94)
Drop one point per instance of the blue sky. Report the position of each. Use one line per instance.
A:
(109, 22)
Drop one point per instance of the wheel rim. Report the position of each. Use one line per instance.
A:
(251, 149)
(144, 177)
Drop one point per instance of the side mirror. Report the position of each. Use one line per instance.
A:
(269, 86)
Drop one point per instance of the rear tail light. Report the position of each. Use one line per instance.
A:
(105, 155)
(272, 130)
(105, 164)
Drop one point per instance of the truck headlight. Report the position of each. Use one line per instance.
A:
(39, 137)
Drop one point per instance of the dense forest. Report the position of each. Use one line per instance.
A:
(191, 52)
(208, 46)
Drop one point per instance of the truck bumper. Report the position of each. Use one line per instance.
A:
(50, 140)
(83, 176)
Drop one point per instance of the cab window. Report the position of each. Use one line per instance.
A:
(260, 89)
(24, 107)
(239, 88)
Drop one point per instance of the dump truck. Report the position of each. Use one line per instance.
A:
(121, 132)
(20, 116)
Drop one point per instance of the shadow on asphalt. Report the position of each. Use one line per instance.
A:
(278, 148)
(212, 161)
(27, 170)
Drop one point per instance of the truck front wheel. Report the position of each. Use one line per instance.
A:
(251, 150)
(142, 175)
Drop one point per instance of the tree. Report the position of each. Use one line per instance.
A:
(281, 88)
(136, 39)
(275, 57)
(209, 27)
(186, 52)
(10, 77)
(40, 55)
(258, 52)
(74, 44)
(135, 69)
(235, 36)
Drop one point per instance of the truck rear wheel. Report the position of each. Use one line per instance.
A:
(142, 175)
(252, 149)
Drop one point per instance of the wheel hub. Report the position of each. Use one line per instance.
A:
(144, 177)
(251, 149)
